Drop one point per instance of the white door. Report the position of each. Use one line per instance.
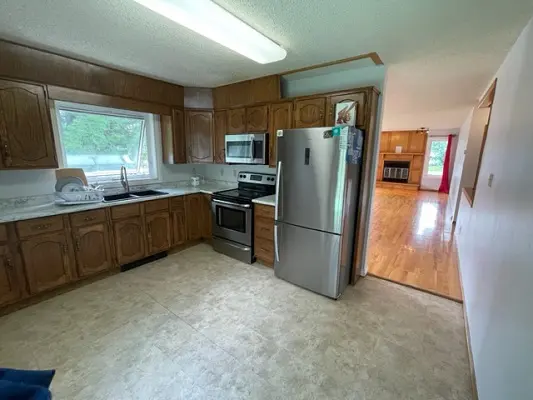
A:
(434, 163)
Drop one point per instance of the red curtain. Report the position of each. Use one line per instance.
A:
(445, 182)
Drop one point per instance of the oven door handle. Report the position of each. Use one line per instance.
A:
(229, 203)
(276, 246)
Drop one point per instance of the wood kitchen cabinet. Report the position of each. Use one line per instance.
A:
(417, 142)
(47, 261)
(360, 102)
(199, 132)
(178, 134)
(193, 211)
(264, 234)
(26, 137)
(257, 118)
(9, 284)
(207, 227)
(158, 232)
(221, 128)
(237, 120)
(129, 240)
(92, 248)
(309, 113)
(280, 118)
(178, 220)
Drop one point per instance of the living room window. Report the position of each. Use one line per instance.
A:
(101, 140)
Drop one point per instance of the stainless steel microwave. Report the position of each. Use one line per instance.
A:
(248, 148)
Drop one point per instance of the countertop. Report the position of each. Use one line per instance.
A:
(266, 200)
(49, 209)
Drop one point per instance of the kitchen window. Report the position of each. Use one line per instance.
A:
(100, 140)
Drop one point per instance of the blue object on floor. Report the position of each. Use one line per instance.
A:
(39, 378)
(17, 384)
(21, 391)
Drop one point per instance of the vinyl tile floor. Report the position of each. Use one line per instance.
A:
(200, 325)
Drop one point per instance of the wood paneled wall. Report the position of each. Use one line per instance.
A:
(29, 64)
(260, 90)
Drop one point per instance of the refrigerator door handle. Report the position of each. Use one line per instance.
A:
(276, 248)
(278, 183)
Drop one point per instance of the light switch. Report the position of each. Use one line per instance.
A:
(491, 178)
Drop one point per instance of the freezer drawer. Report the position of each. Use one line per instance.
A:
(308, 258)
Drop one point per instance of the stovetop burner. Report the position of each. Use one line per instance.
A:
(251, 186)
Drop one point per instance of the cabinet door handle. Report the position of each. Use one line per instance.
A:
(8, 263)
(89, 218)
(6, 155)
(65, 249)
(78, 243)
(42, 227)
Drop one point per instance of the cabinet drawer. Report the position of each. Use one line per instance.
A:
(398, 157)
(87, 217)
(40, 225)
(177, 203)
(264, 211)
(264, 228)
(125, 211)
(155, 205)
(3, 233)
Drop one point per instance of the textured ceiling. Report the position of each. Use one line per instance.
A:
(439, 54)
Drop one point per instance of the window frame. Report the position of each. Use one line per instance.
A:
(151, 128)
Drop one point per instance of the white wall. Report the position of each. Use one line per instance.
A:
(495, 238)
(229, 173)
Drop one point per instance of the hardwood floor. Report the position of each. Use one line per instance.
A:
(412, 243)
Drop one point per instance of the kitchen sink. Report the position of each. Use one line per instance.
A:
(143, 193)
(118, 197)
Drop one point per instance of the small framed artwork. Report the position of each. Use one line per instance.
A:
(345, 113)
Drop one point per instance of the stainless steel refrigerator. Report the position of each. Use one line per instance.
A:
(317, 190)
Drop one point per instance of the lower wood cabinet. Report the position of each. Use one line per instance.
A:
(158, 232)
(93, 249)
(9, 285)
(193, 208)
(207, 227)
(179, 228)
(129, 240)
(47, 261)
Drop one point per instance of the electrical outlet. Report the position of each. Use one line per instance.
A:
(491, 179)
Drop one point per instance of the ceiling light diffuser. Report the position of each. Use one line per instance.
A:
(212, 21)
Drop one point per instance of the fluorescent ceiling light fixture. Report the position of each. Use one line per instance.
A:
(212, 21)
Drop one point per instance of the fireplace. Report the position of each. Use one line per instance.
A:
(396, 171)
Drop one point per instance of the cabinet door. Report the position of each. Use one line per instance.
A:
(179, 228)
(384, 143)
(220, 134)
(178, 136)
(280, 118)
(193, 212)
(417, 142)
(309, 113)
(47, 261)
(199, 134)
(25, 133)
(158, 232)
(9, 287)
(93, 252)
(257, 119)
(129, 240)
(359, 98)
(237, 120)
(207, 228)
(399, 139)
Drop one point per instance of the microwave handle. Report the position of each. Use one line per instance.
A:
(252, 148)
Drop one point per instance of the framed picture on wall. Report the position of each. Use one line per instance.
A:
(345, 113)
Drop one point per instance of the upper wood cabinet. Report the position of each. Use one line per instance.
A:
(257, 118)
(173, 137)
(309, 113)
(260, 90)
(9, 285)
(129, 240)
(280, 118)
(384, 143)
(47, 261)
(417, 142)
(360, 108)
(158, 232)
(399, 139)
(220, 135)
(237, 120)
(199, 136)
(92, 247)
(26, 137)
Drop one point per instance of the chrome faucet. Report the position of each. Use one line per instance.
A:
(124, 179)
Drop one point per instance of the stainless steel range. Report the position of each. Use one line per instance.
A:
(233, 230)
